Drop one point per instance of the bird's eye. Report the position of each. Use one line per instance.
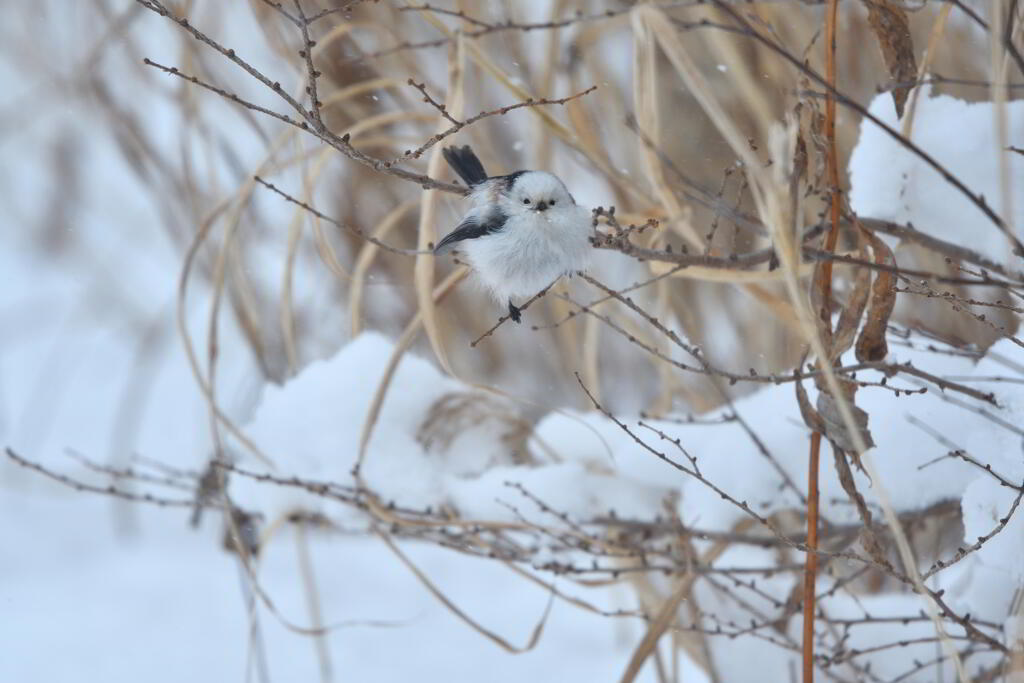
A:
(552, 202)
(526, 201)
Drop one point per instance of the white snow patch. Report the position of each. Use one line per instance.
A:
(890, 182)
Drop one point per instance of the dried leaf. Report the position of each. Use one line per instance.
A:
(810, 415)
(822, 320)
(872, 345)
(813, 121)
(835, 429)
(830, 423)
(892, 29)
(849, 319)
(868, 539)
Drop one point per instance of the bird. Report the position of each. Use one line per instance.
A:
(523, 230)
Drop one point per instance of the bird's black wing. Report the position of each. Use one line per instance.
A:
(464, 162)
(470, 229)
(507, 181)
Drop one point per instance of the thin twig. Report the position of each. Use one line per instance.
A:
(503, 318)
(459, 125)
(311, 73)
(358, 232)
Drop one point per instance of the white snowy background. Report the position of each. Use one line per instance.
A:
(94, 588)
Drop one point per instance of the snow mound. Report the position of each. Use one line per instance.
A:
(890, 182)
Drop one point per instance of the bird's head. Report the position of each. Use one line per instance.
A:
(534, 191)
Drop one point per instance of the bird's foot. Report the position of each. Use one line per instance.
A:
(514, 312)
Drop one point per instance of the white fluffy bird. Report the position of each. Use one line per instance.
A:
(523, 231)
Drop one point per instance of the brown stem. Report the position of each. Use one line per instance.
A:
(811, 566)
(833, 162)
(811, 563)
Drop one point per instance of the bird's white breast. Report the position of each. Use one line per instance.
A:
(531, 251)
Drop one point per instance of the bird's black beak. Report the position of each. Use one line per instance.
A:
(542, 206)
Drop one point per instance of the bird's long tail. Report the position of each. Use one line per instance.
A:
(464, 162)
